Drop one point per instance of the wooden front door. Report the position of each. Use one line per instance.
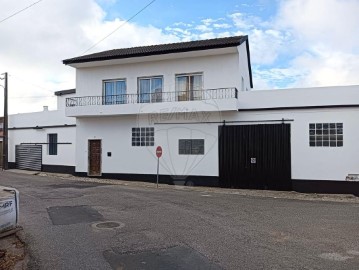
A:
(94, 158)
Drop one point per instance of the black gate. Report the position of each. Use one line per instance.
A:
(255, 156)
(28, 157)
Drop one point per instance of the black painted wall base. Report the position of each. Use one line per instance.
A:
(58, 169)
(11, 165)
(192, 180)
(304, 186)
(50, 168)
(325, 186)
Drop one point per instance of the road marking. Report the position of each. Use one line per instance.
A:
(206, 195)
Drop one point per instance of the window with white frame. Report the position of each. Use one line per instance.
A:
(191, 147)
(150, 89)
(189, 86)
(143, 136)
(114, 92)
(326, 134)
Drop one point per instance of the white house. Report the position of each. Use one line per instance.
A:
(43, 141)
(193, 99)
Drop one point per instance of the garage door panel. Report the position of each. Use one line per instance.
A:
(255, 156)
(28, 157)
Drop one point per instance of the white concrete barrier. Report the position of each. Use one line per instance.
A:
(9, 208)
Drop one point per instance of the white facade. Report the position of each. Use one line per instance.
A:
(224, 68)
(173, 121)
(220, 68)
(308, 163)
(34, 128)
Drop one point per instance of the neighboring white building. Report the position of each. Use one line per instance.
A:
(43, 140)
(194, 100)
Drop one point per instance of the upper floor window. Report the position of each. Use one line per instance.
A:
(189, 86)
(150, 89)
(326, 134)
(52, 144)
(114, 91)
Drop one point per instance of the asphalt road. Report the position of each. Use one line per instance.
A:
(179, 229)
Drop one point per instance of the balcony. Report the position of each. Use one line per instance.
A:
(220, 99)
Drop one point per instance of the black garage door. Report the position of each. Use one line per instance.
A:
(28, 157)
(255, 156)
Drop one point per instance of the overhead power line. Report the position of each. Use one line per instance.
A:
(94, 45)
(124, 23)
(30, 97)
(19, 11)
(27, 82)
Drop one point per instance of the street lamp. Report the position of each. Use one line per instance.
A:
(5, 132)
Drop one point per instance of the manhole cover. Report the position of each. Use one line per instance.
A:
(108, 225)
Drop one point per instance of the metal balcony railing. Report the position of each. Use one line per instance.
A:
(156, 97)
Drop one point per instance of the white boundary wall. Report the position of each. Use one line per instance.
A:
(65, 155)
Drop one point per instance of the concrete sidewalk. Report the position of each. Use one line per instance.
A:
(242, 192)
(23, 172)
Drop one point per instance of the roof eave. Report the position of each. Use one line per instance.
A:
(76, 60)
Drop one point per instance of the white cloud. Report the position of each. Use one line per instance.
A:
(315, 43)
(266, 45)
(34, 43)
(221, 25)
(210, 21)
(203, 28)
(325, 44)
(331, 22)
(327, 68)
(306, 43)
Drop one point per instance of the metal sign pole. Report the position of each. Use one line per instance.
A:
(158, 168)
(158, 154)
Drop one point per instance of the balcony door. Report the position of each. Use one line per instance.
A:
(150, 89)
(189, 87)
(114, 92)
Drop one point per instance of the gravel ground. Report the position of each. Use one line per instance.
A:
(13, 252)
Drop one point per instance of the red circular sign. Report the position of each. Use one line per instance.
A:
(159, 151)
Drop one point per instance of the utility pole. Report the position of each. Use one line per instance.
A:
(5, 132)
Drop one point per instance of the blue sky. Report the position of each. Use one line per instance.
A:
(293, 43)
(187, 15)
(186, 11)
(283, 55)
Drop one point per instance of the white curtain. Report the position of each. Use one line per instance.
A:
(145, 90)
(109, 92)
(120, 92)
(196, 87)
(156, 90)
(182, 88)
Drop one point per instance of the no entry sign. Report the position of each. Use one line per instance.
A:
(159, 151)
(158, 154)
